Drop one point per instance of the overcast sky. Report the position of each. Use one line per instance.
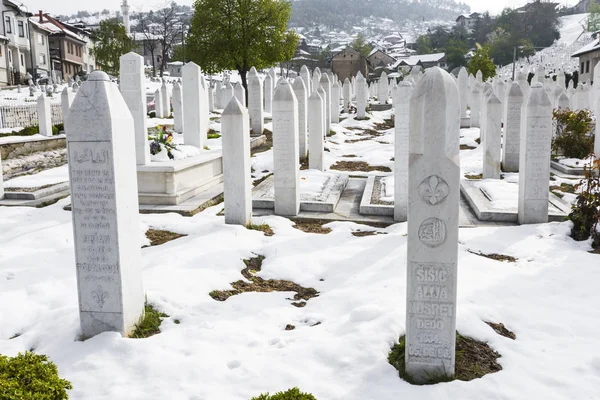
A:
(70, 6)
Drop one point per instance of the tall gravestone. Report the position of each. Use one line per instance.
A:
(401, 122)
(255, 105)
(383, 86)
(433, 190)
(66, 99)
(305, 75)
(493, 138)
(211, 97)
(1, 179)
(462, 89)
(285, 150)
(347, 90)
(226, 94)
(166, 99)
(133, 89)
(326, 85)
(476, 106)
(512, 128)
(335, 102)
(106, 223)
(269, 84)
(177, 108)
(534, 162)
(158, 104)
(316, 132)
(236, 164)
(316, 79)
(301, 97)
(323, 95)
(361, 97)
(194, 132)
(44, 112)
(563, 102)
(240, 93)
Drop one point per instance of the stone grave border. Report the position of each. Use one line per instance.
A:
(480, 205)
(367, 207)
(328, 206)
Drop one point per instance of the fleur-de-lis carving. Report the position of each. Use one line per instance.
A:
(100, 296)
(433, 190)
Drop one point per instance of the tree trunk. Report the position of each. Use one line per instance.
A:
(242, 73)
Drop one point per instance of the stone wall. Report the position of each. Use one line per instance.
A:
(35, 162)
(16, 149)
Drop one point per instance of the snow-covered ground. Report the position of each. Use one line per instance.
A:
(236, 349)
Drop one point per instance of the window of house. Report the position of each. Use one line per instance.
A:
(22, 60)
(7, 25)
(21, 28)
(582, 65)
(587, 66)
(42, 59)
(40, 38)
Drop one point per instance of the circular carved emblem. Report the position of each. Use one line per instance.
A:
(433, 190)
(432, 232)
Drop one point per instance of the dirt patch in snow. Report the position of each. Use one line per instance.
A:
(361, 166)
(501, 330)
(367, 233)
(494, 256)
(257, 284)
(474, 359)
(158, 237)
(312, 226)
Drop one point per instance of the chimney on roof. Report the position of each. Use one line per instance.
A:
(41, 17)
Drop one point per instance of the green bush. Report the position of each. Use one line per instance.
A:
(291, 394)
(585, 212)
(33, 130)
(573, 138)
(31, 376)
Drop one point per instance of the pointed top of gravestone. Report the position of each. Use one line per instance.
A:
(268, 78)
(317, 71)
(234, 107)
(346, 81)
(514, 91)
(176, 87)
(98, 111)
(157, 92)
(360, 76)
(538, 98)
(304, 69)
(493, 99)
(283, 92)
(435, 116)
(325, 79)
(479, 75)
(299, 84)
(563, 101)
(383, 75)
(131, 56)
(65, 91)
(315, 96)
(191, 66)
(98, 76)
(462, 73)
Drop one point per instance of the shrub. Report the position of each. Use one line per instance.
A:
(572, 139)
(291, 394)
(31, 376)
(585, 212)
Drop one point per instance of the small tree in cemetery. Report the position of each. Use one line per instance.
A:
(111, 43)
(361, 45)
(573, 138)
(481, 61)
(585, 213)
(240, 34)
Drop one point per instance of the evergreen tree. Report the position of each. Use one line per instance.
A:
(361, 45)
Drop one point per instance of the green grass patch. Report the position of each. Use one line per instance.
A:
(149, 324)
(212, 134)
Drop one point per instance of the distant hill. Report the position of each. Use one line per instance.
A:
(343, 13)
